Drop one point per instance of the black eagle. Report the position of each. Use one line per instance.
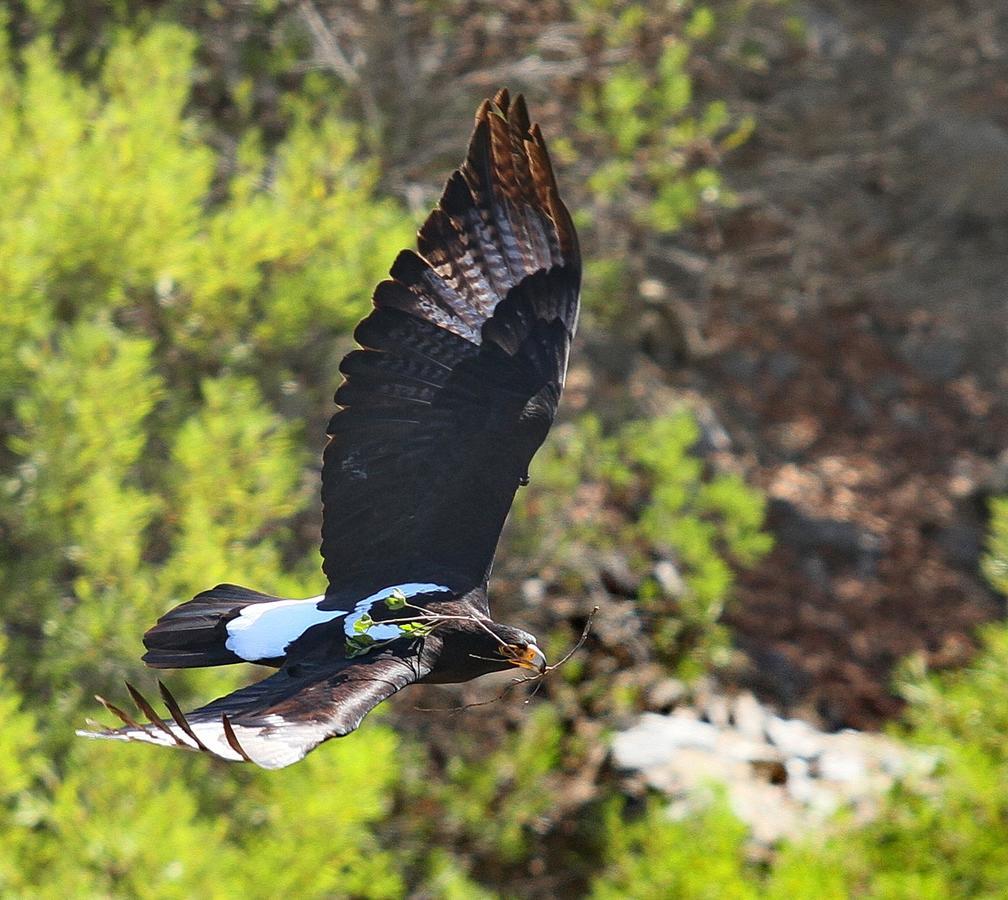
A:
(457, 383)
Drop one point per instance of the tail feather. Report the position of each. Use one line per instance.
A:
(194, 633)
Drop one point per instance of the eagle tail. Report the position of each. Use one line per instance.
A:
(195, 633)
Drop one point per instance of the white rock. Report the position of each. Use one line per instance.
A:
(794, 737)
(717, 711)
(748, 750)
(836, 765)
(749, 717)
(799, 779)
(763, 808)
(654, 740)
(643, 746)
(745, 749)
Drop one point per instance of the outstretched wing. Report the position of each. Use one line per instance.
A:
(278, 720)
(458, 381)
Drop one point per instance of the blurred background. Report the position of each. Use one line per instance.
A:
(780, 473)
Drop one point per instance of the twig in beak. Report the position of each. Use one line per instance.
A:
(538, 677)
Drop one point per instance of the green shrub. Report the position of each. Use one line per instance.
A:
(152, 315)
(495, 800)
(995, 563)
(642, 490)
(660, 146)
(172, 316)
(656, 857)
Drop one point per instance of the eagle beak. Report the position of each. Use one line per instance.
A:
(530, 657)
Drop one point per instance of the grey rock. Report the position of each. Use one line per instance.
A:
(783, 365)
(963, 545)
(669, 578)
(739, 364)
(966, 161)
(811, 534)
(780, 776)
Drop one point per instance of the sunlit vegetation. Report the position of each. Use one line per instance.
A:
(174, 306)
(668, 510)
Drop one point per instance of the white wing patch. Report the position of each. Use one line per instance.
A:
(388, 632)
(264, 630)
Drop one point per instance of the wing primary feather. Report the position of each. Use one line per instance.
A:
(154, 718)
(502, 99)
(120, 714)
(179, 716)
(232, 739)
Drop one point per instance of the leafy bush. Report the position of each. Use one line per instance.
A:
(654, 146)
(147, 306)
(655, 856)
(642, 490)
(659, 145)
(495, 800)
(996, 561)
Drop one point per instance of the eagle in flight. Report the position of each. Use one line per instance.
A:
(455, 387)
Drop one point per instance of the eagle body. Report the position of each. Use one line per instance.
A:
(455, 386)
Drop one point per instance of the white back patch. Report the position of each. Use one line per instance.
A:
(388, 632)
(264, 630)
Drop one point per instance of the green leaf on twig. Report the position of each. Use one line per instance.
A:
(416, 629)
(358, 645)
(395, 600)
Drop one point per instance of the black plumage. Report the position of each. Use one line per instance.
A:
(455, 387)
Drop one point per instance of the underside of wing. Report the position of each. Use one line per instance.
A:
(274, 722)
(458, 381)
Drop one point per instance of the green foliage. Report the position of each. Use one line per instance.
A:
(142, 827)
(396, 600)
(656, 857)
(995, 563)
(659, 145)
(176, 293)
(946, 837)
(147, 303)
(670, 510)
(495, 800)
(106, 188)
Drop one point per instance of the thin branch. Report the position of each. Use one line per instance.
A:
(539, 677)
(325, 44)
(332, 56)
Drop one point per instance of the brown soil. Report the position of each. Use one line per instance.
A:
(854, 331)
